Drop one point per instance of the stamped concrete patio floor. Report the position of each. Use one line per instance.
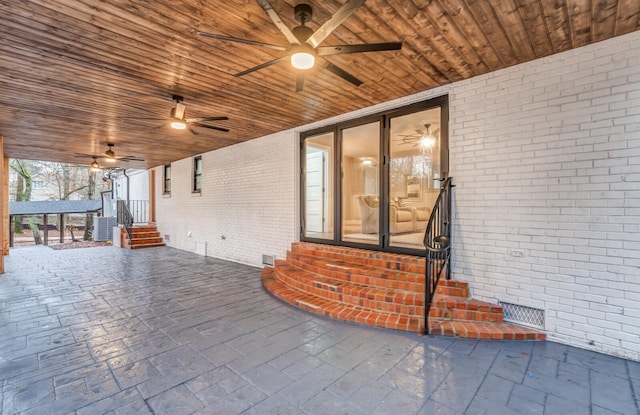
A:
(161, 331)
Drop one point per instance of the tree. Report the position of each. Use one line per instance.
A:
(23, 194)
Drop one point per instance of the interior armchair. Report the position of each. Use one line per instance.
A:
(401, 219)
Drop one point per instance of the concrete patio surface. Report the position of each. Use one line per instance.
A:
(161, 331)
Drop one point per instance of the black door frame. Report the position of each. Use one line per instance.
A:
(384, 118)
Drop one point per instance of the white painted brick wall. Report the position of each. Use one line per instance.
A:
(546, 159)
(248, 197)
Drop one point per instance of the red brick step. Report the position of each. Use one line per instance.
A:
(383, 290)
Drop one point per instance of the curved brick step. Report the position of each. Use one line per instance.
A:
(459, 308)
(483, 331)
(387, 260)
(363, 287)
(337, 310)
(453, 288)
(370, 297)
(358, 273)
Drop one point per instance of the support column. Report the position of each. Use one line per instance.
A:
(6, 237)
(152, 195)
(4, 203)
(61, 226)
(46, 229)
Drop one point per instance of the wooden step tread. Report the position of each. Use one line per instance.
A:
(147, 245)
(338, 310)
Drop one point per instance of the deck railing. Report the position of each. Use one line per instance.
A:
(124, 217)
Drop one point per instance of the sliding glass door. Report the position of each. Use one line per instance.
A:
(360, 150)
(372, 183)
(414, 174)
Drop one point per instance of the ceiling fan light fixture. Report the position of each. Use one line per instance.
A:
(303, 57)
(94, 166)
(178, 124)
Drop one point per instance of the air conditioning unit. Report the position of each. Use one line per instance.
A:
(103, 228)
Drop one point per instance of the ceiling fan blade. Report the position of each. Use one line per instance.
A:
(194, 132)
(299, 82)
(342, 74)
(128, 158)
(211, 127)
(367, 47)
(245, 41)
(336, 20)
(275, 18)
(264, 65)
(204, 119)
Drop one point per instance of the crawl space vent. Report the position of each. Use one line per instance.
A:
(526, 316)
(267, 260)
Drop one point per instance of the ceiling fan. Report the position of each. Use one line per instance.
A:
(304, 42)
(178, 120)
(423, 138)
(109, 156)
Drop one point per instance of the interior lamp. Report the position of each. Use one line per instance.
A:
(303, 57)
(427, 141)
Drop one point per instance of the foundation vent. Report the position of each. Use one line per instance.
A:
(526, 316)
(167, 238)
(268, 260)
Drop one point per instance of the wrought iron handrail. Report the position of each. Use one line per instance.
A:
(139, 210)
(124, 217)
(437, 241)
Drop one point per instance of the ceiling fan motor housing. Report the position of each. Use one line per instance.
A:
(303, 13)
(177, 112)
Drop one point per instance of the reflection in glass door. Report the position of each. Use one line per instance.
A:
(414, 174)
(360, 184)
(318, 189)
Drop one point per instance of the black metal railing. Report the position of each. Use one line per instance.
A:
(437, 241)
(124, 217)
(139, 210)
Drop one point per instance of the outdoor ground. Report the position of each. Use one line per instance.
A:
(26, 239)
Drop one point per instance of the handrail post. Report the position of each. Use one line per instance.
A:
(437, 242)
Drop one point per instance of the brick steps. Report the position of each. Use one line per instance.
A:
(358, 273)
(383, 290)
(336, 310)
(144, 236)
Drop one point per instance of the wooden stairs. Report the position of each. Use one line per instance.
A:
(142, 236)
(383, 290)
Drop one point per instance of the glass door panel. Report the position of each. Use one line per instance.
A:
(360, 184)
(317, 186)
(414, 173)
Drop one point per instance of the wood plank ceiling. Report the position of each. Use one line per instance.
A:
(78, 74)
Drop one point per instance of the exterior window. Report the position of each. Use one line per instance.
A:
(37, 184)
(166, 188)
(197, 174)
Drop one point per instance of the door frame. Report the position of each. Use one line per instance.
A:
(384, 118)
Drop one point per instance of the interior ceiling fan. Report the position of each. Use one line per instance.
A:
(304, 43)
(108, 156)
(422, 138)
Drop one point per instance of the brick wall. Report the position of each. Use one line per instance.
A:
(247, 206)
(546, 158)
